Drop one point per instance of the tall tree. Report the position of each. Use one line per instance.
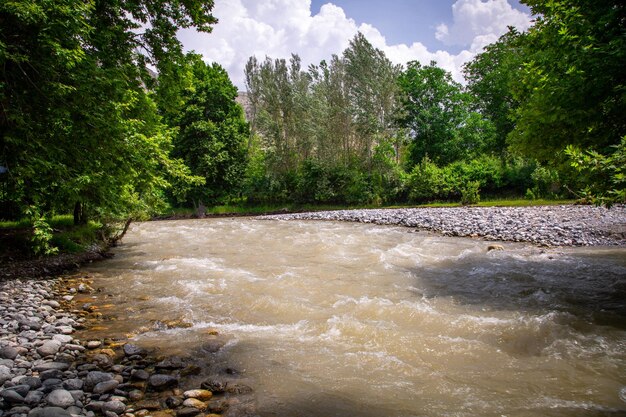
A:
(571, 87)
(491, 76)
(77, 127)
(437, 113)
(213, 134)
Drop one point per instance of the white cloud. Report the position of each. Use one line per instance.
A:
(477, 23)
(277, 28)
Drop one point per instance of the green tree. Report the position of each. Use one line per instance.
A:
(490, 78)
(436, 111)
(571, 86)
(213, 134)
(78, 130)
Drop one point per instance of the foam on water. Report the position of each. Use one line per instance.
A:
(332, 318)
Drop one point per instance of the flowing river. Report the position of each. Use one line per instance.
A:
(345, 319)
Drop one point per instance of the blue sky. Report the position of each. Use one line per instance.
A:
(450, 32)
(404, 21)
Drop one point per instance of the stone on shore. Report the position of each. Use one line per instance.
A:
(60, 398)
(161, 382)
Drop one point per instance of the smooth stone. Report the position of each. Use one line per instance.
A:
(105, 386)
(34, 397)
(174, 402)
(11, 397)
(139, 374)
(161, 382)
(5, 374)
(73, 384)
(60, 398)
(21, 389)
(116, 407)
(195, 403)
(135, 395)
(46, 366)
(49, 412)
(20, 410)
(200, 394)
(49, 347)
(52, 373)
(187, 412)
(94, 344)
(8, 352)
(132, 350)
(94, 406)
(32, 381)
(51, 384)
(63, 338)
(93, 378)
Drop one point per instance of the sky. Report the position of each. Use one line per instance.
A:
(450, 32)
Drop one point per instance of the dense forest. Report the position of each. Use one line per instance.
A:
(86, 128)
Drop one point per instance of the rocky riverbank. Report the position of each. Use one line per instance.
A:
(572, 225)
(46, 372)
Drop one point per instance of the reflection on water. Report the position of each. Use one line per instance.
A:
(341, 319)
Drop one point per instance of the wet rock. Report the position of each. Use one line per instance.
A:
(73, 384)
(174, 362)
(34, 397)
(135, 395)
(494, 247)
(116, 407)
(187, 412)
(174, 402)
(32, 381)
(195, 403)
(139, 374)
(105, 386)
(60, 398)
(199, 394)
(11, 397)
(238, 389)
(21, 389)
(94, 344)
(93, 378)
(5, 374)
(49, 412)
(148, 405)
(132, 350)
(161, 382)
(51, 374)
(214, 385)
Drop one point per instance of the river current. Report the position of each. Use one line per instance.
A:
(344, 319)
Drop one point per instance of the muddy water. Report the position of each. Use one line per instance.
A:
(341, 319)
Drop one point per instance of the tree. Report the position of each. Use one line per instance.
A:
(437, 113)
(78, 130)
(571, 87)
(213, 134)
(490, 78)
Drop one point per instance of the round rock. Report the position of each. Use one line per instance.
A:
(60, 398)
(161, 382)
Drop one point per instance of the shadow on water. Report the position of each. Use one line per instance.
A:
(589, 285)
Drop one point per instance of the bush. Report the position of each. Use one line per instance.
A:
(427, 182)
(470, 192)
(545, 182)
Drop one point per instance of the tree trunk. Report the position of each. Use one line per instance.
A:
(80, 215)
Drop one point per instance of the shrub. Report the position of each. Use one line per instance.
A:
(470, 192)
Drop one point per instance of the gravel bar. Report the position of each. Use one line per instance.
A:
(565, 225)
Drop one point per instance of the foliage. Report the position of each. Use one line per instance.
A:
(490, 78)
(437, 114)
(470, 192)
(606, 182)
(571, 86)
(212, 134)
(78, 130)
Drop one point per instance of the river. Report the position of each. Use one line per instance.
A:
(344, 319)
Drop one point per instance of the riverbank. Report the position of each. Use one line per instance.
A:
(566, 225)
(46, 372)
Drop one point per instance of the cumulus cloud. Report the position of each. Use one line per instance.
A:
(477, 23)
(278, 28)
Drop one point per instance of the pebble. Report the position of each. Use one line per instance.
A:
(565, 225)
(46, 372)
